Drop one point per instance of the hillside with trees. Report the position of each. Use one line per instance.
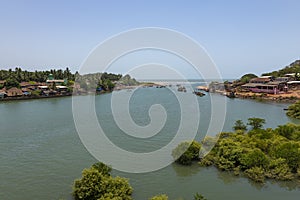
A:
(292, 68)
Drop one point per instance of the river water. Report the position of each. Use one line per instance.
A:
(41, 153)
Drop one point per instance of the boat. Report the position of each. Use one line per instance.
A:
(181, 89)
(201, 94)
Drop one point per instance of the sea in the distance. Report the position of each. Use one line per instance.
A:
(41, 153)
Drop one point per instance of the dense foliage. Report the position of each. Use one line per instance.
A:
(97, 80)
(259, 153)
(294, 110)
(19, 75)
(186, 152)
(104, 81)
(97, 183)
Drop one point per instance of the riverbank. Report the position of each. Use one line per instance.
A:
(39, 139)
(290, 97)
(33, 97)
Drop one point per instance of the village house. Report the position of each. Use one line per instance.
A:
(14, 92)
(30, 85)
(294, 85)
(51, 81)
(267, 84)
(261, 88)
(26, 91)
(61, 88)
(43, 87)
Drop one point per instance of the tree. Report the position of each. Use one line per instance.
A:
(286, 130)
(97, 183)
(247, 77)
(102, 168)
(290, 151)
(254, 158)
(294, 110)
(239, 125)
(12, 82)
(256, 123)
(186, 152)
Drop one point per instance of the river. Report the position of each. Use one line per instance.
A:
(41, 153)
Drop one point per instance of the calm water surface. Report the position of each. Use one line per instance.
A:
(41, 153)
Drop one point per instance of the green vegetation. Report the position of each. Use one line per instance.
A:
(100, 82)
(12, 82)
(18, 75)
(127, 80)
(292, 68)
(97, 80)
(103, 81)
(256, 123)
(258, 153)
(247, 77)
(239, 125)
(186, 152)
(198, 196)
(294, 110)
(97, 183)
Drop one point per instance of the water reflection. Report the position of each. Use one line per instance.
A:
(227, 177)
(230, 178)
(289, 185)
(185, 171)
(258, 186)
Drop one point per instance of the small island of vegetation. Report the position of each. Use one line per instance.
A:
(259, 153)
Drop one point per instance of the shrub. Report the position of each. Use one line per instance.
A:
(186, 152)
(256, 173)
(97, 183)
(254, 158)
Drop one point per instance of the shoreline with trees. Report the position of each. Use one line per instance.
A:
(22, 85)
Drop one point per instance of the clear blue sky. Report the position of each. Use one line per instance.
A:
(241, 36)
